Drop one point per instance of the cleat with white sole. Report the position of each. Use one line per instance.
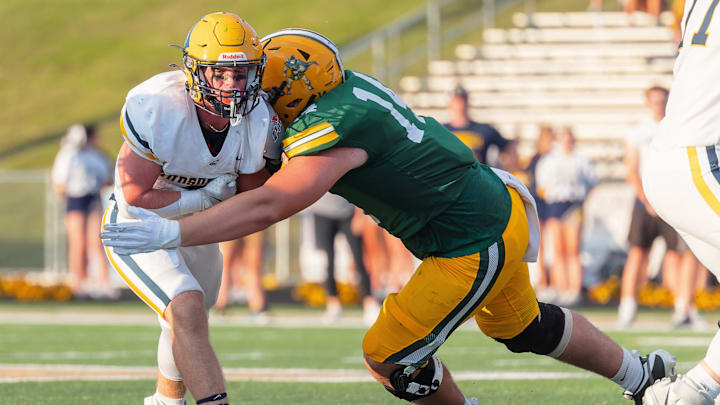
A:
(657, 365)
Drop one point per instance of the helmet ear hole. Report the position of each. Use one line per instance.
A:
(293, 103)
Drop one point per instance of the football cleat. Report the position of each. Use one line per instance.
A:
(677, 390)
(656, 365)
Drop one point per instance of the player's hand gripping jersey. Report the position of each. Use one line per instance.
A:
(408, 155)
(159, 122)
(693, 108)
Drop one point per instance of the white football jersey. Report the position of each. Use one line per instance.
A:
(160, 123)
(693, 109)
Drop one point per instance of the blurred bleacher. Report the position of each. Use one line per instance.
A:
(588, 70)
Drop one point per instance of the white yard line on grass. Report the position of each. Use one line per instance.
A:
(11, 373)
(309, 320)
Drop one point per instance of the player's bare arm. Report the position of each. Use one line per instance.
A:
(252, 181)
(297, 185)
(137, 176)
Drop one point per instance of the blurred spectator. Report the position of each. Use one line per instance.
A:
(543, 145)
(483, 139)
(595, 5)
(645, 225)
(242, 266)
(389, 262)
(564, 179)
(79, 173)
(509, 161)
(691, 279)
(652, 7)
(679, 269)
(332, 215)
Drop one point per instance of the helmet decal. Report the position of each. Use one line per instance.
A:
(295, 70)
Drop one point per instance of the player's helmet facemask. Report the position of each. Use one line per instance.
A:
(223, 40)
(302, 65)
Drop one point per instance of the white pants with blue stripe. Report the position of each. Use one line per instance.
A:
(158, 277)
(683, 186)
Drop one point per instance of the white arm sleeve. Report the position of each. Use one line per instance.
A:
(190, 201)
(219, 189)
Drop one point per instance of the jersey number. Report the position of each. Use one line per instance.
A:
(413, 133)
(701, 36)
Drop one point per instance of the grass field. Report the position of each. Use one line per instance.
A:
(105, 354)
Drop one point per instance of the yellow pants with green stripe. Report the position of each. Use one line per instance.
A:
(491, 285)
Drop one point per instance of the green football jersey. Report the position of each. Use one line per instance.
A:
(420, 182)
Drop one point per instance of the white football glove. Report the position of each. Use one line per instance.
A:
(151, 233)
(220, 189)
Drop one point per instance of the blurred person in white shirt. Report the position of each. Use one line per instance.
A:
(79, 173)
(563, 179)
(680, 267)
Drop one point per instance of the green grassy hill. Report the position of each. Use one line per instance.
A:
(72, 60)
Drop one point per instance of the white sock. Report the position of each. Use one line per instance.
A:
(627, 309)
(701, 376)
(712, 360)
(680, 307)
(161, 399)
(630, 375)
(471, 401)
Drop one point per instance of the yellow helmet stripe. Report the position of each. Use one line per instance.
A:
(287, 142)
(327, 139)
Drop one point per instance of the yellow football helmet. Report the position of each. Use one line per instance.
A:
(302, 65)
(223, 40)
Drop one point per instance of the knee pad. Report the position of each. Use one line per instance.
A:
(425, 383)
(165, 359)
(548, 334)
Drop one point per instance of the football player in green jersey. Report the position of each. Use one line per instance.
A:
(474, 227)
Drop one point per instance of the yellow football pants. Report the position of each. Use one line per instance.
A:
(493, 285)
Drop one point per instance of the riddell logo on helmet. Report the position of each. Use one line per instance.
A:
(232, 56)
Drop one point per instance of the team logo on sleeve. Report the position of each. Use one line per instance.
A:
(295, 70)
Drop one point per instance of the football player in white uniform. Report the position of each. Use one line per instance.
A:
(193, 137)
(681, 177)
